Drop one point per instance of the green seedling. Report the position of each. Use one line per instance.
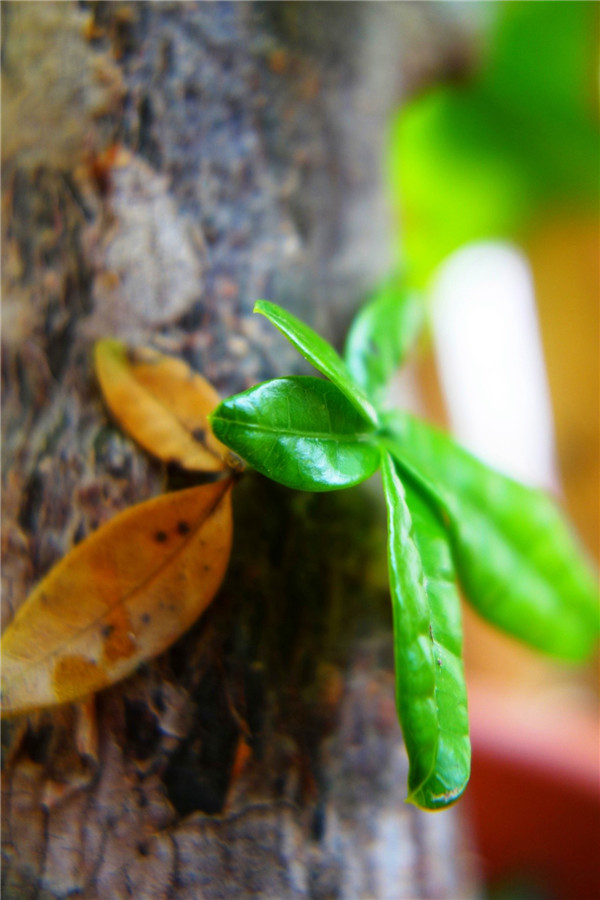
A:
(451, 520)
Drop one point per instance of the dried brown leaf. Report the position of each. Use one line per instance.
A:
(120, 597)
(163, 404)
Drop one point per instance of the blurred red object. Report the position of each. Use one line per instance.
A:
(535, 793)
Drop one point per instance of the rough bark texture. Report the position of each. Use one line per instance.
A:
(261, 755)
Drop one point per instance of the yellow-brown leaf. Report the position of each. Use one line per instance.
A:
(120, 597)
(163, 404)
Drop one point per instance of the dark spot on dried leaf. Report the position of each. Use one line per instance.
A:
(119, 643)
(160, 537)
(78, 671)
(183, 528)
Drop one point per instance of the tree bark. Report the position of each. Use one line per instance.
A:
(165, 165)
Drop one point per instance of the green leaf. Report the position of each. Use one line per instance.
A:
(319, 353)
(450, 775)
(485, 159)
(517, 560)
(453, 176)
(382, 334)
(300, 431)
(413, 647)
(430, 686)
(552, 87)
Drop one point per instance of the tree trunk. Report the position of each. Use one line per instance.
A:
(165, 165)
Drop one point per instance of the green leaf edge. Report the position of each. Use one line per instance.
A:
(319, 353)
(222, 422)
(397, 501)
(402, 549)
(371, 361)
(440, 498)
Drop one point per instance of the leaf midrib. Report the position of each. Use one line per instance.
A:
(122, 599)
(355, 437)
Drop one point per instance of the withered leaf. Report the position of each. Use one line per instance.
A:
(163, 404)
(120, 597)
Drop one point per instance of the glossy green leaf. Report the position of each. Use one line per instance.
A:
(518, 562)
(300, 431)
(319, 353)
(413, 647)
(450, 775)
(430, 686)
(381, 336)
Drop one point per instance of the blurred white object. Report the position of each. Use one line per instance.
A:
(491, 363)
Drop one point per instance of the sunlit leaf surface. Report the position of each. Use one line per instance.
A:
(300, 431)
(430, 687)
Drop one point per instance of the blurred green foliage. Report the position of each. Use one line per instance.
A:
(485, 158)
